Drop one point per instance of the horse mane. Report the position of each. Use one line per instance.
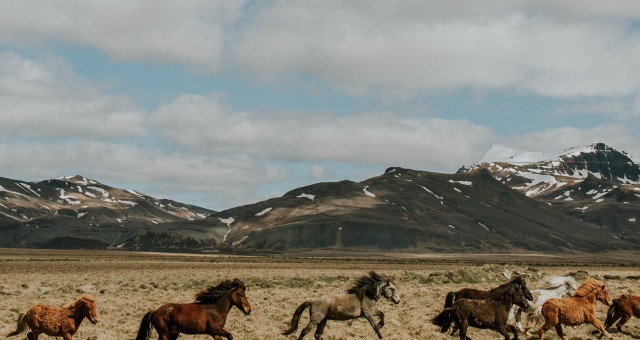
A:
(213, 293)
(588, 286)
(84, 297)
(517, 281)
(366, 285)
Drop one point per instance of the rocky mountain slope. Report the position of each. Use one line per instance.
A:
(582, 200)
(595, 183)
(76, 212)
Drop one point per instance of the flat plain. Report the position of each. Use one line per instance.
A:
(126, 285)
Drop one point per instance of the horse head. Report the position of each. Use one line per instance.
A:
(602, 295)
(522, 286)
(389, 291)
(87, 305)
(520, 298)
(238, 297)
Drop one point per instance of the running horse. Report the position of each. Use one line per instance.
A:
(207, 315)
(556, 287)
(622, 308)
(52, 321)
(484, 313)
(492, 294)
(359, 301)
(576, 310)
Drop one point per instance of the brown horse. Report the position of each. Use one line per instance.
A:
(622, 308)
(359, 301)
(492, 294)
(54, 321)
(491, 313)
(207, 315)
(478, 294)
(576, 310)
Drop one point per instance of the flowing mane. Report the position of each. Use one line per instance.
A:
(588, 286)
(366, 285)
(213, 294)
(85, 297)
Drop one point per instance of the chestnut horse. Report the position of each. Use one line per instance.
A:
(490, 313)
(54, 321)
(622, 308)
(359, 301)
(576, 310)
(207, 315)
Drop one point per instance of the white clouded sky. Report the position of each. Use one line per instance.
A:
(222, 103)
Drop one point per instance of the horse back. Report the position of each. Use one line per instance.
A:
(568, 311)
(187, 317)
(50, 320)
(628, 303)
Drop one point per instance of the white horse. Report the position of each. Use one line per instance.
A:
(556, 287)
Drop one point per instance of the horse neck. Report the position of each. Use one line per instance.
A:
(77, 314)
(223, 305)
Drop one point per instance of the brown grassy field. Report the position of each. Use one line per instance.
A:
(126, 285)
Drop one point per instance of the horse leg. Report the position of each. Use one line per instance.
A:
(462, 327)
(320, 329)
(220, 332)
(594, 321)
(373, 324)
(514, 330)
(32, 336)
(622, 321)
(307, 329)
(381, 315)
(559, 331)
(173, 336)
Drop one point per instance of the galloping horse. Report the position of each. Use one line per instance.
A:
(557, 287)
(489, 313)
(205, 316)
(492, 294)
(359, 301)
(576, 310)
(54, 321)
(477, 294)
(623, 308)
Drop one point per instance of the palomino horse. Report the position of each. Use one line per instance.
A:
(492, 294)
(54, 321)
(576, 310)
(489, 313)
(205, 316)
(359, 301)
(622, 308)
(556, 287)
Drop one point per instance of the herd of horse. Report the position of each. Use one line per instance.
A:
(561, 302)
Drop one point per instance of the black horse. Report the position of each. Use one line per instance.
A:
(491, 313)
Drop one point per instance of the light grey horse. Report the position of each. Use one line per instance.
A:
(556, 287)
(358, 302)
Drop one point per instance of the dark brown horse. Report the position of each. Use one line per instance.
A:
(207, 315)
(576, 310)
(492, 294)
(622, 308)
(478, 294)
(54, 321)
(491, 313)
(358, 302)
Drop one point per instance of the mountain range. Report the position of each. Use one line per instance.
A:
(584, 199)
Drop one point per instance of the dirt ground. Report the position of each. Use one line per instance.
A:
(127, 285)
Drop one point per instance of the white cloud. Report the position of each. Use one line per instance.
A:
(45, 99)
(208, 124)
(622, 137)
(367, 49)
(190, 32)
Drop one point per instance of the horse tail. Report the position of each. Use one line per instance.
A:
(444, 319)
(296, 318)
(145, 327)
(612, 314)
(448, 301)
(21, 326)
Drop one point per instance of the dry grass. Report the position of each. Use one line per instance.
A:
(127, 285)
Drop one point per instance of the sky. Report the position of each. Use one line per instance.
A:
(225, 103)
